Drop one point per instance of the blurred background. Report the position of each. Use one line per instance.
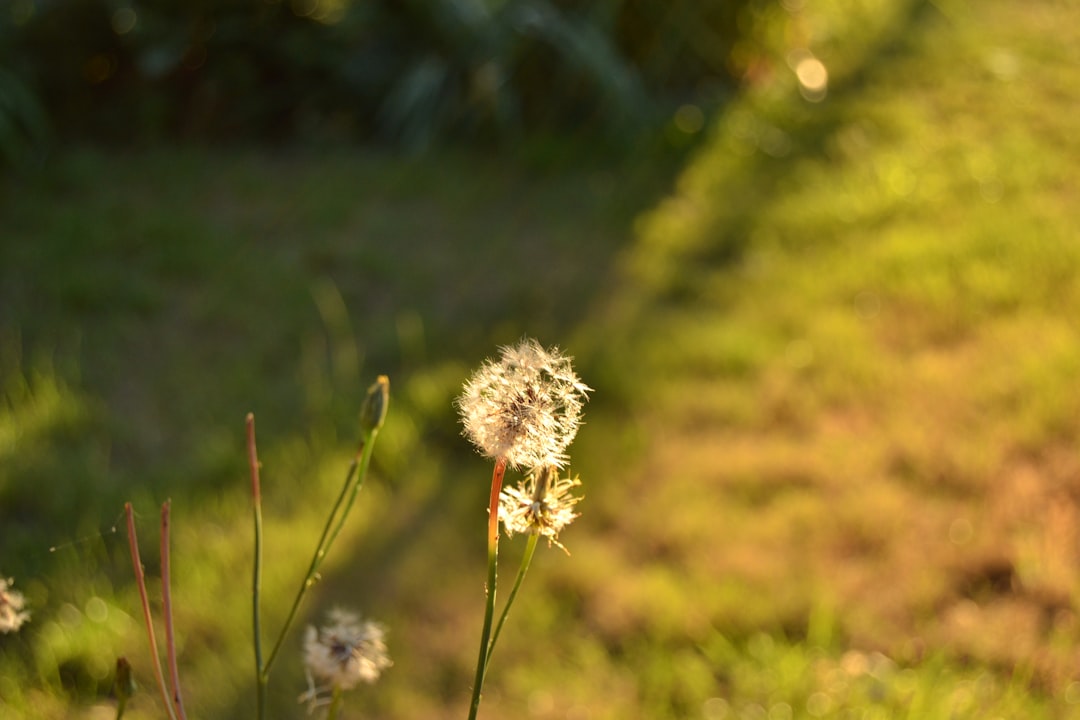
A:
(817, 259)
(409, 75)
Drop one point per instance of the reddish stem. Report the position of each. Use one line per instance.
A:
(492, 576)
(493, 503)
(140, 581)
(253, 459)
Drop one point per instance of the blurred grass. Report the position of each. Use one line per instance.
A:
(830, 466)
(150, 300)
(861, 354)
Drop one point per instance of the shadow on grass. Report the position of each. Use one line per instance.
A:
(187, 288)
(757, 150)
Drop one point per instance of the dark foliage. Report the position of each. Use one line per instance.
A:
(413, 72)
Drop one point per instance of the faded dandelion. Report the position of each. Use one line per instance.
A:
(522, 411)
(342, 654)
(525, 408)
(12, 615)
(541, 505)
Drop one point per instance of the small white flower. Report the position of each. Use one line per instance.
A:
(12, 615)
(541, 505)
(524, 409)
(345, 652)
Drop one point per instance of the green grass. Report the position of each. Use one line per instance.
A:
(171, 292)
(862, 352)
(830, 465)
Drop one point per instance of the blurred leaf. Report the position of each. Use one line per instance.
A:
(416, 72)
(24, 128)
(587, 52)
(412, 109)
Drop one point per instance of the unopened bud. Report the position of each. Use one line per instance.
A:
(373, 411)
(124, 686)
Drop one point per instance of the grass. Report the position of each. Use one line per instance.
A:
(128, 375)
(830, 466)
(861, 359)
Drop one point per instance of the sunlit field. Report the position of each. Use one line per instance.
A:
(829, 462)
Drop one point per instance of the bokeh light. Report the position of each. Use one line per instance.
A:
(812, 74)
(123, 20)
(689, 119)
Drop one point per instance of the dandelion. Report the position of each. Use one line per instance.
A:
(342, 654)
(363, 641)
(12, 615)
(524, 409)
(541, 505)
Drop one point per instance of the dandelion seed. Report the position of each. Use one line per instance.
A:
(12, 615)
(525, 408)
(315, 696)
(541, 505)
(344, 653)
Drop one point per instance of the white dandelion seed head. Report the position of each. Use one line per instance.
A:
(12, 615)
(541, 505)
(525, 408)
(345, 652)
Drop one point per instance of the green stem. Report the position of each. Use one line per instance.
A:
(492, 577)
(166, 608)
(365, 460)
(336, 702)
(309, 578)
(526, 560)
(256, 581)
(330, 532)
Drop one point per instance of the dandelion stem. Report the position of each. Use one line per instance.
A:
(336, 701)
(526, 560)
(492, 576)
(140, 581)
(166, 603)
(354, 480)
(256, 581)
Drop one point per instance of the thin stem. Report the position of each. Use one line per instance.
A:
(166, 602)
(526, 560)
(492, 577)
(256, 581)
(140, 581)
(330, 532)
(309, 578)
(336, 702)
(364, 461)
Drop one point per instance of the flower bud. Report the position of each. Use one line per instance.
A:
(373, 411)
(124, 686)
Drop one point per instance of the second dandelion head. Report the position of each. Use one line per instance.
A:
(541, 505)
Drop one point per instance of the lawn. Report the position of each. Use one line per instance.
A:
(155, 299)
(830, 466)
